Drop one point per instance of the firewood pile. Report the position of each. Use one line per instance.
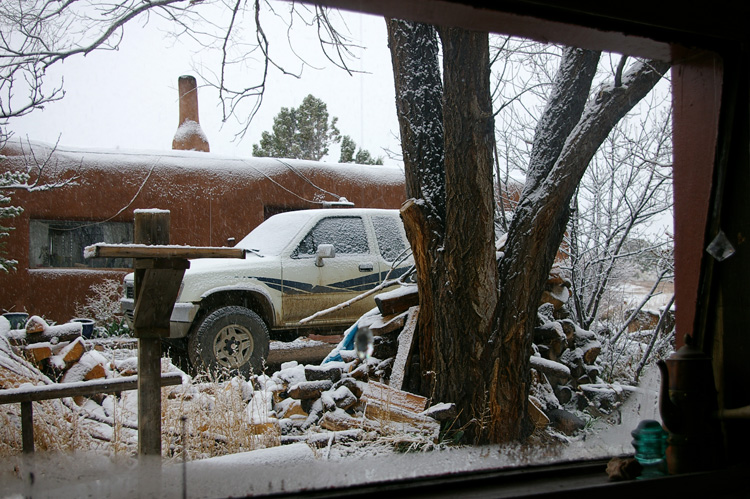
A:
(341, 397)
(565, 372)
(59, 351)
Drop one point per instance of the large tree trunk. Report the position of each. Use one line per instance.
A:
(419, 94)
(474, 346)
(467, 299)
(539, 225)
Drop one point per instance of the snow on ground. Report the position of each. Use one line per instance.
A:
(296, 466)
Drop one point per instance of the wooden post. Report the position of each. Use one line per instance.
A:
(151, 227)
(27, 427)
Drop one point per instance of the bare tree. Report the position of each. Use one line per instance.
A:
(36, 35)
(464, 321)
(625, 189)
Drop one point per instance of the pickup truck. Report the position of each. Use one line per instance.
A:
(296, 264)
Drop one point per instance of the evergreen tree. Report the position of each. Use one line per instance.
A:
(300, 133)
(7, 181)
(362, 156)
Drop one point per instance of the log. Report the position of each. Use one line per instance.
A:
(56, 334)
(38, 352)
(388, 396)
(397, 301)
(380, 325)
(309, 389)
(339, 420)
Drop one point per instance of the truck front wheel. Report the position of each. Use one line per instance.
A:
(233, 338)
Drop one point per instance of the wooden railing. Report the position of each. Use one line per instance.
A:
(25, 395)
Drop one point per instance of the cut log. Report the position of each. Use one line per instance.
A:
(380, 325)
(309, 389)
(397, 301)
(38, 352)
(56, 334)
(388, 396)
(340, 420)
(329, 372)
(405, 343)
(74, 351)
(536, 414)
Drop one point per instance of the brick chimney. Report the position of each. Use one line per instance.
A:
(189, 135)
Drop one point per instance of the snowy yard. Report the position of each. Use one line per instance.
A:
(334, 424)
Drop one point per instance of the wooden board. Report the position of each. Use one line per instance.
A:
(102, 250)
(388, 396)
(405, 342)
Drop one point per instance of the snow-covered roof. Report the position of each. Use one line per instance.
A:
(92, 158)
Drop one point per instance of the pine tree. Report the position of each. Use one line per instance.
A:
(300, 133)
(362, 156)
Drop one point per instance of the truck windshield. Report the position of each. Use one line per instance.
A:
(273, 235)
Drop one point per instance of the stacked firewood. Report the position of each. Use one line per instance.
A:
(59, 351)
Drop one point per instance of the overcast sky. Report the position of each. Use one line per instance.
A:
(128, 98)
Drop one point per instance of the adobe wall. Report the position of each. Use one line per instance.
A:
(211, 198)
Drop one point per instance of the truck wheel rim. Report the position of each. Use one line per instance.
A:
(233, 346)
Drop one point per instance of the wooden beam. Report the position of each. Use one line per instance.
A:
(79, 389)
(102, 250)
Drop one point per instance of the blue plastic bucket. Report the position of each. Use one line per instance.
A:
(87, 327)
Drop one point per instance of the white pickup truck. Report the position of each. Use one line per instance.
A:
(296, 264)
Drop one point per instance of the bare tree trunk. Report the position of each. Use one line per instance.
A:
(538, 227)
(476, 345)
(468, 296)
(419, 103)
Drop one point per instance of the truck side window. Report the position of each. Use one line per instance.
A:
(347, 234)
(388, 234)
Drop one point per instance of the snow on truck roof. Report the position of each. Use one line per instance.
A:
(100, 159)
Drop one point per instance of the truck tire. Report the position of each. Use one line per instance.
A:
(230, 338)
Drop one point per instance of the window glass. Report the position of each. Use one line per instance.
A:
(388, 234)
(60, 243)
(347, 234)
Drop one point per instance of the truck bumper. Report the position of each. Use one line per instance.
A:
(182, 318)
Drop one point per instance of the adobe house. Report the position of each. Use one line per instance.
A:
(212, 199)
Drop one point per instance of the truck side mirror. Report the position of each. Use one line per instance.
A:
(324, 251)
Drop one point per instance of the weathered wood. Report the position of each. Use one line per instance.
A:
(26, 395)
(150, 227)
(81, 388)
(102, 250)
(155, 300)
(387, 395)
(27, 427)
(305, 390)
(339, 421)
(56, 334)
(405, 347)
(397, 301)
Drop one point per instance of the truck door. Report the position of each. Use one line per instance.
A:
(308, 288)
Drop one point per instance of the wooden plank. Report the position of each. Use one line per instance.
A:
(151, 227)
(405, 342)
(82, 388)
(156, 296)
(398, 300)
(103, 250)
(27, 427)
(389, 396)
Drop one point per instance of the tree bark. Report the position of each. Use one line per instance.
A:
(536, 233)
(467, 298)
(419, 92)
